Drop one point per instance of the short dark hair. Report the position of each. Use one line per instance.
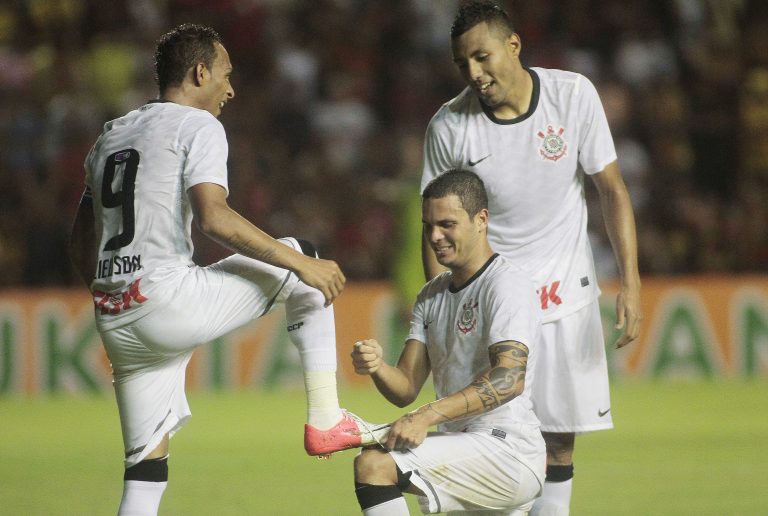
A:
(474, 12)
(182, 48)
(465, 185)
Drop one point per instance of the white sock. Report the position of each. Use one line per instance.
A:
(396, 507)
(323, 410)
(141, 498)
(555, 499)
(311, 328)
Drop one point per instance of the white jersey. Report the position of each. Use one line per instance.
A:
(138, 172)
(538, 215)
(458, 326)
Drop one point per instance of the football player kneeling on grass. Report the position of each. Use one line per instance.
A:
(476, 328)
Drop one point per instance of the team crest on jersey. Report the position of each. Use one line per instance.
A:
(553, 145)
(468, 320)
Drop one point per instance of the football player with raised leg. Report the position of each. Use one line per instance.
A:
(148, 176)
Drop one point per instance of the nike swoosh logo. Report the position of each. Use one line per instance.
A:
(473, 163)
(601, 413)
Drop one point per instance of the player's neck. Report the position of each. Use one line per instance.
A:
(180, 95)
(518, 100)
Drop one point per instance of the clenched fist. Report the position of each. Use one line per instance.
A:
(367, 356)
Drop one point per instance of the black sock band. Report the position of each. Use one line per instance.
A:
(559, 473)
(370, 496)
(151, 470)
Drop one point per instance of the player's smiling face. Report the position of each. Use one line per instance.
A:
(486, 60)
(455, 237)
(218, 89)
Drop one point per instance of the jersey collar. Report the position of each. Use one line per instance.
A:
(476, 275)
(531, 108)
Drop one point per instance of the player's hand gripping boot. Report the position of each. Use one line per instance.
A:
(351, 432)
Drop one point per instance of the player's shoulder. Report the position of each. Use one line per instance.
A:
(556, 76)
(452, 113)
(184, 121)
(502, 275)
(200, 119)
(503, 266)
(165, 113)
(181, 113)
(559, 80)
(509, 285)
(437, 285)
(112, 128)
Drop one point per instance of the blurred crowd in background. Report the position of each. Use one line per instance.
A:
(333, 98)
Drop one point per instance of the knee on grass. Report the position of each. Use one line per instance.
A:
(375, 466)
(378, 479)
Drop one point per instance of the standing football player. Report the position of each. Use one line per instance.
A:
(526, 132)
(476, 329)
(149, 174)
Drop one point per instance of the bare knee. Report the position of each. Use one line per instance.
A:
(161, 450)
(376, 467)
(559, 447)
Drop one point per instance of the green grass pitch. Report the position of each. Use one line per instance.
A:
(679, 448)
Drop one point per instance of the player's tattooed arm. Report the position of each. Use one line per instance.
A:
(500, 383)
(505, 378)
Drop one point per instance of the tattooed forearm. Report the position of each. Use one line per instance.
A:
(466, 403)
(501, 382)
(444, 417)
(429, 407)
(505, 378)
(485, 392)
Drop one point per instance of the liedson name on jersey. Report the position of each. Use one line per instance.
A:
(118, 265)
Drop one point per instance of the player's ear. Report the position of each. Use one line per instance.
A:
(481, 219)
(199, 72)
(514, 45)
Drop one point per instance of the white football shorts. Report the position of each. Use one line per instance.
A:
(477, 471)
(570, 391)
(149, 356)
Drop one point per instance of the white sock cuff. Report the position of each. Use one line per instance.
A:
(141, 498)
(555, 499)
(396, 507)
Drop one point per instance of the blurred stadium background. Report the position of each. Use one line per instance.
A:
(333, 97)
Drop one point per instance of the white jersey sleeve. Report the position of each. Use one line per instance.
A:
(205, 144)
(419, 323)
(596, 147)
(515, 313)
